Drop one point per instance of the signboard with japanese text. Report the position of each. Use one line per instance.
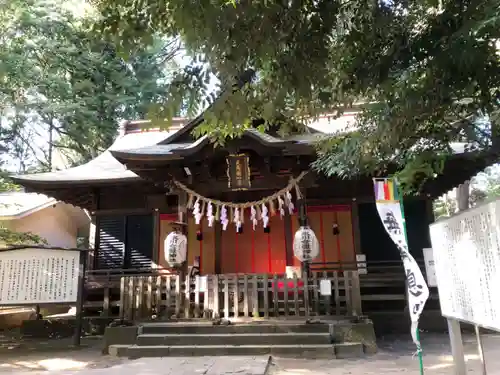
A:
(238, 172)
(430, 267)
(38, 276)
(466, 251)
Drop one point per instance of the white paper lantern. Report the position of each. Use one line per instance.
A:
(305, 244)
(175, 248)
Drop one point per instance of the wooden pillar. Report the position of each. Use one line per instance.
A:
(454, 329)
(356, 304)
(156, 237)
(182, 218)
(302, 210)
(218, 246)
(94, 232)
(288, 239)
(182, 208)
(429, 210)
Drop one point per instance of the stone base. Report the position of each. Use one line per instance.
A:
(362, 332)
(325, 339)
(119, 336)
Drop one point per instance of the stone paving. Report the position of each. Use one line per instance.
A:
(92, 363)
(394, 357)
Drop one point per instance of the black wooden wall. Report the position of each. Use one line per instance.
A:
(375, 241)
(124, 241)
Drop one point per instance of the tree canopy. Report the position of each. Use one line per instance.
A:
(64, 87)
(428, 69)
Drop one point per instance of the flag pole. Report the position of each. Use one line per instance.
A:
(417, 333)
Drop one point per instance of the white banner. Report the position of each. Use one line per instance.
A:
(418, 292)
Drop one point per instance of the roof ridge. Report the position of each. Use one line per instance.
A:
(241, 80)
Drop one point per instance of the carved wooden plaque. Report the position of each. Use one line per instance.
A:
(238, 171)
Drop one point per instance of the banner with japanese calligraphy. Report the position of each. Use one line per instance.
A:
(389, 210)
(38, 276)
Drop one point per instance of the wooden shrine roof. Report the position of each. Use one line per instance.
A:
(105, 168)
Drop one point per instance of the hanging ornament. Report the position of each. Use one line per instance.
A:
(335, 229)
(236, 219)
(210, 215)
(223, 217)
(265, 217)
(196, 211)
(258, 214)
(253, 217)
(272, 208)
(280, 206)
(291, 206)
(199, 235)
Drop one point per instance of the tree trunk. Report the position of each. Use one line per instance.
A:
(51, 144)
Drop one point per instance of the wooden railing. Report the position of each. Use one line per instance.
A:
(232, 296)
(382, 288)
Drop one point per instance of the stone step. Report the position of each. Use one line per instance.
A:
(176, 328)
(237, 339)
(350, 350)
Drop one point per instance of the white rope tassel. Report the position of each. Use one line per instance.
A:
(223, 217)
(280, 206)
(197, 212)
(210, 214)
(236, 218)
(253, 217)
(265, 216)
(291, 206)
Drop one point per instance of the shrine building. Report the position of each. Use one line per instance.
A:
(241, 203)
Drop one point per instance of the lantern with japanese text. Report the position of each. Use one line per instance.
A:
(175, 248)
(305, 244)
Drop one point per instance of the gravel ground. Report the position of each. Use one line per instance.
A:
(394, 357)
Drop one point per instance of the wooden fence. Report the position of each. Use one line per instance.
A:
(237, 295)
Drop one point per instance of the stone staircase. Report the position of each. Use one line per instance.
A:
(317, 340)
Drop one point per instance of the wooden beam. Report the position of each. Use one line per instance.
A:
(123, 211)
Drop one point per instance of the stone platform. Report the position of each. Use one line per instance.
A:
(312, 339)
